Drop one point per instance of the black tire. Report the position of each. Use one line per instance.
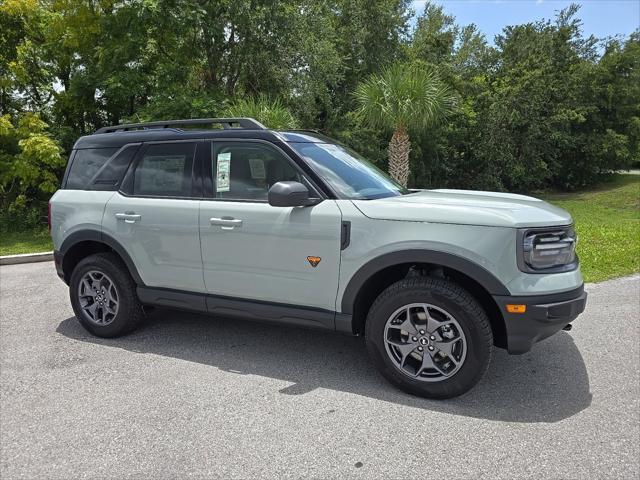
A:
(129, 313)
(453, 299)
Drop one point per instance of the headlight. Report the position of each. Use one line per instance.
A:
(547, 250)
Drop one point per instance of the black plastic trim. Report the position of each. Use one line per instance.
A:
(63, 183)
(473, 270)
(271, 312)
(345, 234)
(80, 236)
(223, 306)
(163, 297)
(57, 261)
(344, 323)
(545, 315)
(226, 123)
(98, 236)
(546, 298)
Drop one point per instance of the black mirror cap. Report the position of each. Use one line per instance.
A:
(290, 194)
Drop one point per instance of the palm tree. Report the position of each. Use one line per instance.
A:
(404, 97)
(272, 113)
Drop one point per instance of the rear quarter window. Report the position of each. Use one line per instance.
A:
(85, 165)
(110, 175)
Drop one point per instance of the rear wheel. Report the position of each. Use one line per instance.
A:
(103, 296)
(429, 337)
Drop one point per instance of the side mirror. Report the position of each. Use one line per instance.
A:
(290, 194)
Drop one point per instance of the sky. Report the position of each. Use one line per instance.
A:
(601, 18)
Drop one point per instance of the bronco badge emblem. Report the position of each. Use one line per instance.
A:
(314, 261)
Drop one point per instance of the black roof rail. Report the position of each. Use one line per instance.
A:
(227, 123)
(312, 130)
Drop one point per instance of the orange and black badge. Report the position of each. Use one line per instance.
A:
(314, 261)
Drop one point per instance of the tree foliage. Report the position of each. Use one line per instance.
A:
(30, 162)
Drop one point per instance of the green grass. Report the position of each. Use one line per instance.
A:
(33, 241)
(607, 219)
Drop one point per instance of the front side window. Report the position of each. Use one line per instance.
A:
(246, 171)
(347, 173)
(165, 170)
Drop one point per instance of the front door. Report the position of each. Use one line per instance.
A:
(155, 217)
(253, 251)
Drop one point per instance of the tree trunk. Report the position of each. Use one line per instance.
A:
(399, 148)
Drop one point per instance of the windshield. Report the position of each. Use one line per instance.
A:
(347, 173)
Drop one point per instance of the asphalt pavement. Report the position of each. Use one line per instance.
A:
(190, 396)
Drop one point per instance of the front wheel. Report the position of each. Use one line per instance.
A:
(429, 337)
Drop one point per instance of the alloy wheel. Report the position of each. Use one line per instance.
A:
(425, 342)
(98, 297)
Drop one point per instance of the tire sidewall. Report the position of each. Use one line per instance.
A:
(98, 263)
(478, 351)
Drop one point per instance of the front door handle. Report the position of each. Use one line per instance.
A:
(226, 223)
(128, 217)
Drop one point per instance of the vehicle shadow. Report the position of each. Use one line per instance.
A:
(548, 384)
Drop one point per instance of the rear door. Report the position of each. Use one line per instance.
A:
(154, 216)
(251, 250)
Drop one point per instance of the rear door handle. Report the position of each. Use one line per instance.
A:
(226, 223)
(128, 217)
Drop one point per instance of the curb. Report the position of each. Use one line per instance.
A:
(26, 258)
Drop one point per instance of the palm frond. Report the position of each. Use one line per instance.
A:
(270, 112)
(404, 95)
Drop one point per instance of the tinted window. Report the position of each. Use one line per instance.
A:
(246, 171)
(165, 170)
(85, 165)
(109, 177)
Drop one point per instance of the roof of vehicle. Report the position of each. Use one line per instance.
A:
(244, 128)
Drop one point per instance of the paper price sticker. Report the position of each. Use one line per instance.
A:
(223, 171)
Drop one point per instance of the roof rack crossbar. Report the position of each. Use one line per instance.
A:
(227, 123)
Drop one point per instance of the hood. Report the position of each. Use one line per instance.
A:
(466, 207)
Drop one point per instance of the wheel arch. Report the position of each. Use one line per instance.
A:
(377, 274)
(83, 243)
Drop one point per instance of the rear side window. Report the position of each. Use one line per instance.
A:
(165, 170)
(86, 164)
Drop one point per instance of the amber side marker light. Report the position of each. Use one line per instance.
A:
(511, 308)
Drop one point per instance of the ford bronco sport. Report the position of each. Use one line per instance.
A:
(293, 228)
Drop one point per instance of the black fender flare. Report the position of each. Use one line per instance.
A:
(100, 237)
(444, 259)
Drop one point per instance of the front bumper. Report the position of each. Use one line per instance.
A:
(544, 316)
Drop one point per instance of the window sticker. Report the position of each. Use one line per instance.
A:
(258, 171)
(222, 172)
